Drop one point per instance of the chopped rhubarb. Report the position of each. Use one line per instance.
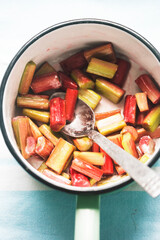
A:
(129, 144)
(140, 118)
(95, 147)
(116, 138)
(110, 124)
(142, 101)
(90, 97)
(33, 101)
(42, 167)
(99, 116)
(60, 155)
(142, 132)
(30, 145)
(41, 116)
(82, 79)
(146, 144)
(108, 165)
(67, 82)
(87, 169)
(34, 129)
(71, 99)
(146, 84)
(152, 120)
(102, 68)
(95, 158)
(122, 72)
(58, 178)
(119, 170)
(83, 143)
(44, 69)
(105, 52)
(45, 82)
(130, 106)
(27, 77)
(109, 90)
(144, 158)
(78, 179)
(44, 147)
(75, 61)
(131, 130)
(48, 133)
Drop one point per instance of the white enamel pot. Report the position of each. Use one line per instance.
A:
(52, 45)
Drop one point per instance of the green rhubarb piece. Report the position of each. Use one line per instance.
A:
(81, 79)
(27, 77)
(152, 120)
(41, 116)
(45, 68)
(89, 97)
(42, 167)
(102, 68)
(109, 90)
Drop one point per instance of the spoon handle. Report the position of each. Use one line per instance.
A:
(141, 173)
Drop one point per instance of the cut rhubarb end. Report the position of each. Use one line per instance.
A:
(87, 169)
(90, 157)
(130, 106)
(45, 82)
(144, 158)
(44, 147)
(89, 97)
(27, 77)
(122, 72)
(95, 147)
(142, 132)
(47, 132)
(146, 84)
(83, 143)
(71, 99)
(142, 101)
(110, 124)
(104, 52)
(78, 179)
(102, 68)
(57, 114)
(45, 68)
(67, 82)
(41, 116)
(33, 101)
(58, 178)
(73, 62)
(60, 155)
(99, 116)
(120, 170)
(140, 118)
(108, 165)
(42, 167)
(34, 129)
(81, 79)
(116, 138)
(131, 130)
(30, 145)
(109, 90)
(146, 144)
(129, 144)
(152, 120)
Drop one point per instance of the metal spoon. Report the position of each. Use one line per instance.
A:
(83, 125)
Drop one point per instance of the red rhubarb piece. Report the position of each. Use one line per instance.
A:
(71, 98)
(58, 178)
(130, 106)
(44, 147)
(67, 82)
(30, 145)
(108, 165)
(57, 114)
(78, 179)
(122, 72)
(95, 147)
(146, 144)
(146, 84)
(45, 82)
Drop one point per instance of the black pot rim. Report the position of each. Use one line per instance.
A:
(15, 59)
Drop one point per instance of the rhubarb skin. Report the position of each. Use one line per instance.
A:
(83, 143)
(89, 97)
(44, 69)
(110, 124)
(82, 80)
(33, 101)
(42, 116)
(43, 147)
(76, 61)
(140, 118)
(102, 68)
(60, 155)
(122, 72)
(48, 133)
(78, 179)
(26, 78)
(95, 147)
(58, 178)
(104, 52)
(129, 144)
(130, 106)
(71, 99)
(116, 138)
(146, 84)
(90, 157)
(142, 101)
(57, 114)
(67, 81)
(108, 165)
(45, 82)
(87, 169)
(152, 120)
(131, 130)
(109, 90)
(99, 116)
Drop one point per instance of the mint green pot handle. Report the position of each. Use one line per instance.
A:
(87, 218)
